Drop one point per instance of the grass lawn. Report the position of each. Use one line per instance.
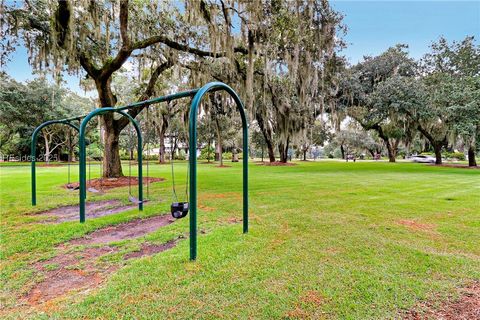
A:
(327, 240)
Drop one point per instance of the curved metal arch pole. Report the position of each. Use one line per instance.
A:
(213, 86)
(33, 153)
(83, 158)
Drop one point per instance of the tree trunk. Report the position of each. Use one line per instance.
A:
(47, 147)
(472, 162)
(71, 154)
(342, 150)
(262, 152)
(161, 149)
(208, 150)
(283, 150)
(437, 147)
(112, 166)
(220, 151)
(372, 152)
(234, 155)
(267, 135)
(163, 130)
(435, 143)
(219, 146)
(305, 155)
(271, 152)
(391, 151)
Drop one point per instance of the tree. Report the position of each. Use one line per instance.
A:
(290, 46)
(359, 98)
(99, 38)
(452, 76)
(465, 115)
(315, 135)
(257, 142)
(25, 106)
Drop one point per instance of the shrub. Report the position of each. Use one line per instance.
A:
(207, 153)
(455, 155)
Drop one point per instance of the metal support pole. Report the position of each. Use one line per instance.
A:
(213, 86)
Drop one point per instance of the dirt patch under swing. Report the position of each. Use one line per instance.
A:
(73, 270)
(129, 230)
(148, 249)
(467, 307)
(81, 270)
(110, 183)
(93, 210)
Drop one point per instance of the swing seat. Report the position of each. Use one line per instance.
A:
(179, 209)
(72, 187)
(93, 190)
(134, 200)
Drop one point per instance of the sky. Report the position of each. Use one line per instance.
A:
(373, 27)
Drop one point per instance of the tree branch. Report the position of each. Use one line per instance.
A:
(111, 66)
(193, 67)
(85, 62)
(124, 23)
(182, 47)
(123, 122)
(125, 51)
(225, 14)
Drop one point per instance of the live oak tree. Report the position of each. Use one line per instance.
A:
(299, 42)
(99, 38)
(285, 73)
(451, 72)
(465, 115)
(359, 98)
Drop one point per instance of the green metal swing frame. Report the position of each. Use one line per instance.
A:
(197, 94)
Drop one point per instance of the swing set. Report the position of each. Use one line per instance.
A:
(178, 209)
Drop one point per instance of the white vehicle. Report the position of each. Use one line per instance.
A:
(423, 159)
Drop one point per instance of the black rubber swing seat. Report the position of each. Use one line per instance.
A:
(72, 187)
(179, 209)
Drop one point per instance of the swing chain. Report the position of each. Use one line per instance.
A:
(147, 131)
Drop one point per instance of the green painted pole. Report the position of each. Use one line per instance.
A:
(33, 152)
(210, 87)
(83, 156)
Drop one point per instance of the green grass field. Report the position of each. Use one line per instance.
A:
(327, 240)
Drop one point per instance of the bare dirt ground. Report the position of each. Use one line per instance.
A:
(417, 226)
(129, 230)
(77, 268)
(110, 183)
(93, 210)
(148, 249)
(466, 307)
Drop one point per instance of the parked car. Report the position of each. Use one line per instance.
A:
(423, 159)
